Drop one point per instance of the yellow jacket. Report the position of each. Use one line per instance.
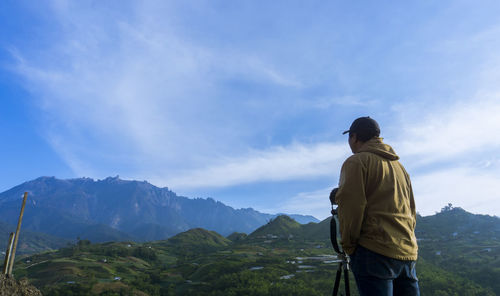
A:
(376, 205)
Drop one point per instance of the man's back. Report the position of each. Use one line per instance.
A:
(374, 179)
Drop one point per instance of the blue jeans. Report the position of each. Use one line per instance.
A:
(376, 274)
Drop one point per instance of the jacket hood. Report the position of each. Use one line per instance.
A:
(376, 146)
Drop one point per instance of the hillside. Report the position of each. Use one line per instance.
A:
(201, 262)
(279, 227)
(456, 222)
(237, 236)
(462, 243)
(30, 241)
(318, 231)
(458, 255)
(117, 210)
(197, 239)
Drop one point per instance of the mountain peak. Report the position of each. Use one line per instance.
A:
(112, 179)
(280, 226)
(199, 237)
(284, 219)
(45, 178)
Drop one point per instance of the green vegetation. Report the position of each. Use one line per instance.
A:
(173, 267)
(281, 226)
(464, 245)
(30, 241)
(270, 261)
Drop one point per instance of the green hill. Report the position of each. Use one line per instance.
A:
(462, 243)
(198, 238)
(89, 269)
(317, 231)
(30, 241)
(279, 227)
(456, 222)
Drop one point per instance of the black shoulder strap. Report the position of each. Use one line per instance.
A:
(333, 232)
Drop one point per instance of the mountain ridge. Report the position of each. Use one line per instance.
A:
(125, 209)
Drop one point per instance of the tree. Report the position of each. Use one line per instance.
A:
(447, 208)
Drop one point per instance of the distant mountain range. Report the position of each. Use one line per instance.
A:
(117, 210)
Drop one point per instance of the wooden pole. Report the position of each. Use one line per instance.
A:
(7, 254)
(16, 238)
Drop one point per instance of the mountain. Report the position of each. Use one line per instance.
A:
(198, 238)
(30, 241)
(456, 222)
(317, 231)
(280, 227)
(451, 224)
(285, 227)
(118, 210)
(57, 222)
(462, 243)
(302, 219)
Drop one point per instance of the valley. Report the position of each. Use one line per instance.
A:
(282, 257)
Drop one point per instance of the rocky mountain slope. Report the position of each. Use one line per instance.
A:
(116, 210)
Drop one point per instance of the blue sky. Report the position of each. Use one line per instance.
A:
(245, 101)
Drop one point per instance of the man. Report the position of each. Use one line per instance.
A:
(377, 216)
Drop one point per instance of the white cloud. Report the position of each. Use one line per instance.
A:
(442, 133)
(256, 68)
(450, 151)
(277, 164)
(475, 190)
(132, 85)
(315, 203)
(68, 156)
(326, 103)
(136, 86)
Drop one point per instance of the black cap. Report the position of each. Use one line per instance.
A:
(365, 125)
